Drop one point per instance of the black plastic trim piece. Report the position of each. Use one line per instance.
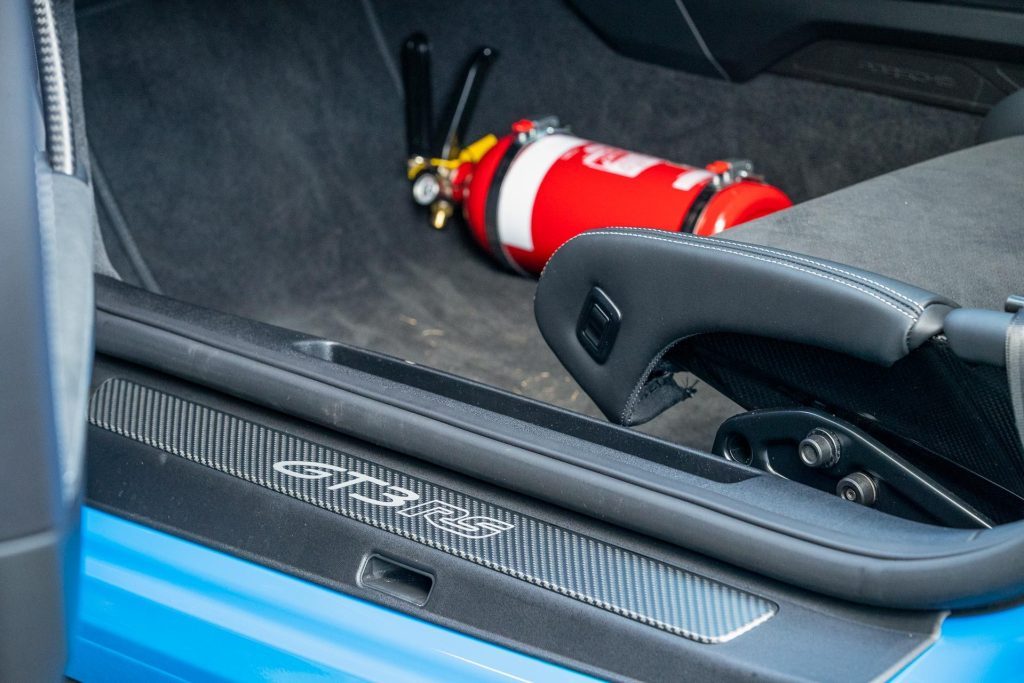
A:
(557, 559)
(598, 324)
(748, 36)
(972, 85)
(978, 335)
(226, 512)
(396, 579)
(754, 522)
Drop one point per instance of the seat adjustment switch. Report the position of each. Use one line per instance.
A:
(598, 324)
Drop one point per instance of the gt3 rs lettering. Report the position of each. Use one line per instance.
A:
(437, 513)
(395, 496)
(391, 495)
(307, 470)
(456, 520)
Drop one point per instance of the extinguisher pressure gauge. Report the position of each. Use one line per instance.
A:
(426, 188)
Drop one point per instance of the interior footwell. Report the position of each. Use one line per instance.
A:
(255, 150)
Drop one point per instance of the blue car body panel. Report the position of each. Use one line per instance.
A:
(983, 647)
(159, 608)
(155, 607)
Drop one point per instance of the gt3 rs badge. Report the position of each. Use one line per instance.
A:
(375, 491)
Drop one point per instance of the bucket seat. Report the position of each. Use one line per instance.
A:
(884, 305)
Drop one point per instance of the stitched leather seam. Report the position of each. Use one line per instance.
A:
(704, 245)
(813, 263)
(818, 264)
(682, 238)
(627, 410)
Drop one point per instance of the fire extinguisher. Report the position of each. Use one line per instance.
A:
(527, 193)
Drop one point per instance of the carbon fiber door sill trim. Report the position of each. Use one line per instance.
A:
(592, 571)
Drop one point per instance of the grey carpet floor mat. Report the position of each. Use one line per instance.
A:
(255, 149)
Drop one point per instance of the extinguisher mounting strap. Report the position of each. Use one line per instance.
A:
(693, 214)
(491, 209)
(727, 173)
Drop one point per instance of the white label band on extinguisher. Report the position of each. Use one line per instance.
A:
(617, 161)
(521, 183)
(688, 180)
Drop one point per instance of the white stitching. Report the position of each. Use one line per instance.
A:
(576, 237)
(794, 257)
(627, 410)
(781, 254)
(819, 264)
(704, 245)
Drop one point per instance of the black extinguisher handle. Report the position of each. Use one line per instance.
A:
(462, 101)
(419, 116)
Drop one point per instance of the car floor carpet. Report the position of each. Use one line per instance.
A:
(255, 150)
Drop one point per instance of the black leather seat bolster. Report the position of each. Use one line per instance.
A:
(670, 286)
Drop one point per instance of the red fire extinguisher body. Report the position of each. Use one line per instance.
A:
(529, 195)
